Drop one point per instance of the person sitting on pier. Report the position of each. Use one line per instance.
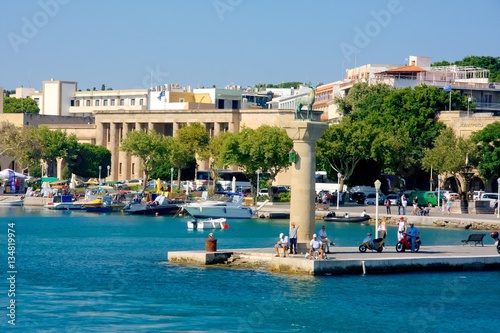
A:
(325, 242)
(281, 244)
(315, 246)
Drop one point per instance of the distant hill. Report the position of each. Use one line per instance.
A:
(491, 63)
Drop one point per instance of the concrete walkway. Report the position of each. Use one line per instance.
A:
(348, 260)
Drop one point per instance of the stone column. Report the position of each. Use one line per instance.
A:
(114, 152)
(125, 174)
(59, 168)
(302, 208)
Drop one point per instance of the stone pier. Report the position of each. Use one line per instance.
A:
(302, 208)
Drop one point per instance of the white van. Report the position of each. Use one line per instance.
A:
(491, 197)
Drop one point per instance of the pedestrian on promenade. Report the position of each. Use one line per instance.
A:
(404, 203)
(382, 230)
(401, 228)
(292, 236)
(448, 206)
(388, 206)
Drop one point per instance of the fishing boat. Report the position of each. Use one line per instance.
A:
(63, 202)
(331, 217)
(208, 224)
(106, 204)
(227, 205)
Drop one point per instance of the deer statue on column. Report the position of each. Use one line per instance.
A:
(307, 101)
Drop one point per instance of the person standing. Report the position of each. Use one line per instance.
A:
(292, 236)
(448, 206)
(388, 206)
(404, 203)
(401, 228)
(412, 234)
(382, 230)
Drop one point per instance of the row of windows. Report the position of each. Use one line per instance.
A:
(112, 102)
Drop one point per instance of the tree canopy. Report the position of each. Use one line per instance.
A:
(487, 142)
(20, 105)
(150, 147)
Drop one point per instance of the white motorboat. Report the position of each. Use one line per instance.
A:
(11, 201)
(228, 205)
(207, 224)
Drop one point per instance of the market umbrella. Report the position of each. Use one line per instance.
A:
(5, 174)
(234, 184)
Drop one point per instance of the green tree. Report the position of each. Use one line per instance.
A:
(487, 143)
(265, 148)
(55, 144)
(20, 105)
(448, 155)
(343, 146)
(87, 159)
(150, 147)
(181, 155)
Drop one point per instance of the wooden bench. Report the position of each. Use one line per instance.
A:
(476, 238)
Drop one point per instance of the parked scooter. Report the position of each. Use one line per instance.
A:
(494, 235)
(369, 244)
(405, 243)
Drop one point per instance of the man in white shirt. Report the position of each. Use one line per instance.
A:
(323, 237)
(281, 244)
(315, 245)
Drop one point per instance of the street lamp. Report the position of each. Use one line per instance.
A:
(107, 178)
(439, 190)
(338, 188)
(258, 181)
(171, 179)
(377, 187)
(498, 197)
(100, 174)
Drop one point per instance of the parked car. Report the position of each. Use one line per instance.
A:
(135, 182)
(491, 197)
(358, 197)
(454, 196)
(279, 189)
(264, 192)
(393, 197)
(246, 191)
(371, 199)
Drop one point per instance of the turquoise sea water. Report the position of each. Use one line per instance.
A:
(81, 272)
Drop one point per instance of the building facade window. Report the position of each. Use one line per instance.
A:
(87, 102)
(77, 103)
(105, 102)
(97, 103)
(122, 102)
(141, 102)
(112, 102)
(132, 101)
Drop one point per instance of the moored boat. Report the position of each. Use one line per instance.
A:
(63, 202)
(160, 206)
(331, 217)
(207, 224)
(227, 205)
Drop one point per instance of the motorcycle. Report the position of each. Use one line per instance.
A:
(494, 235)
(405, 243)
(375, 245)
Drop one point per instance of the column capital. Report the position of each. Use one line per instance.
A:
(305, 130)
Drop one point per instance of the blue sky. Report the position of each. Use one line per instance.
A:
(129, 44)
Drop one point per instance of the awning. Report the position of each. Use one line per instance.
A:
(49, 179)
